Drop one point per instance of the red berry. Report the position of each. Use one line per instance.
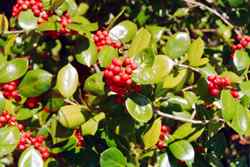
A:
(214, 92)
(161, 145)
(211, 78)
(234, 93)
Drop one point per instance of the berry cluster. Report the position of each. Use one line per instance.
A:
(165, 132)
(32, 102)
(243, 43)
(217, 83)
(10, 90)
(7, 119)
(102, 38)
(118, 76)
(38, 142)
(64, 21)
(35, 5)
(79, 138)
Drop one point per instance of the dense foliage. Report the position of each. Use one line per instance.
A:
(116, 83)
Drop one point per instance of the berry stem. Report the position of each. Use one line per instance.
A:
(112, 22)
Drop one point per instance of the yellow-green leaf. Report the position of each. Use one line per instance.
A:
(4, 24)
(151, 137)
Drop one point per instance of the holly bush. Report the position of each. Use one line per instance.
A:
(124, 83)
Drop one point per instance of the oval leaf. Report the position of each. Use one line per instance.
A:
(106, 55)
(71, 116)
(112, 157)
(139, 108)
(229, 105)
(4, 24)
(124, 31)
(35, 83)
(177, 45)
(241, 60)
(10, 137)
(140, 42)
(151, 137)
(30, 158)
(27, 20)
(67, 80)
(13, 70)
(95, 84)
(182, 150)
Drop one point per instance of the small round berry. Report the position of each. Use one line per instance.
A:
(235, 93)
(214, 92)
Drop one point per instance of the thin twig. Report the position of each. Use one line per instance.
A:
(188, 67)
(165, 115)
(191, 87)
(96, 67)
(215, 12)
(13, 32)
(116, 18)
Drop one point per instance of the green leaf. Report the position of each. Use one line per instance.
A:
(27, 20)
(151, 137)
(145, 58)
(67, 80)
(156, 31)
(183, 131)
(124, 31)
(155, 74)
(71, 116)
(30, 158)
(4, 24)
(86, 52)
(35, 83)
(91, 126)
(139, 108)
(83, 28)
(112, 157)
(82, 8)
(182, 150)
(181, 12)
(95, 84)
(195, 53)
(56, 3)
(236, 3)
(48, 26)
(13, 70)
(241, 60)
(24, 113)
(229, 105)
(10, 137)
(232, 76)
(140, 42)
(240, 122)
(245, 87)
(173, 80)
(177, 45)
(106, 55)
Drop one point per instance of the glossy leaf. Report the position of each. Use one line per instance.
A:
(91, 126)
(30, 158)
(24, 113)
(86, 52)
(67, 80)
(124, 31)
(4, 24)
(13, 70)
(232, 76)
(112, 157)
(172, 80)
(71, 116)
(156, 31)
(177, 45)
(140, 108)
(245, 87)
(182, 150)
(94, 84)
(195, 53)
(27, 20)
(151, 137)
(106, 55)
(35, 83)
(9, 140)
(155, 74)
(140, 42)
(241, 60)
(229, 105)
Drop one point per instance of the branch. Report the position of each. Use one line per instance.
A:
(165, 115)
(13, 32)
(188, 67)
(203, 6)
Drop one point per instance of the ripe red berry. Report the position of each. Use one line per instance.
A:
(214, 92)
(234, 93)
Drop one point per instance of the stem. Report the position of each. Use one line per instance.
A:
(188, 67)
(13, 32)
(116, 18)
(165, 115)
(203, 6)
(96, 67)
